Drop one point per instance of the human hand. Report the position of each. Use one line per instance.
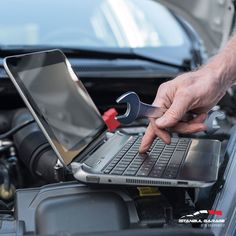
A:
(195, 91)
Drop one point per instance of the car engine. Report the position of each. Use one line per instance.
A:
(38, 195)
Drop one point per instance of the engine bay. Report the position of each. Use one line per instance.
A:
(114, 47)
(36, 193)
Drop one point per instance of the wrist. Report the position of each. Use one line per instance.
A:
(224, 64)
(222, 67)
(221, 71)
(220, 76)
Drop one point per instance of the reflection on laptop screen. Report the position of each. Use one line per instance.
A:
(64, 104)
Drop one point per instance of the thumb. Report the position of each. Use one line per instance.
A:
(174, 114)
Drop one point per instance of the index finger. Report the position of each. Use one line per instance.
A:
(151, 133)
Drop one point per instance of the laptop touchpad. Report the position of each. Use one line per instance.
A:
(201, 164)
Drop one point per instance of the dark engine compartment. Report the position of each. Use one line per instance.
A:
(39, 197)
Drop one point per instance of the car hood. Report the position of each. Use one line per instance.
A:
(213, 19)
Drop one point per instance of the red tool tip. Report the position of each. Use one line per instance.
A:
(109, 119)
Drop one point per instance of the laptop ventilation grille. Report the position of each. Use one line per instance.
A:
(156, 182)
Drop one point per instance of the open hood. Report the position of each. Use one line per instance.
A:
(213, 19)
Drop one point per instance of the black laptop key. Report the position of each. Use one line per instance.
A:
(106, 171)
(116, 172)
(169, 176)
(130, 172)
(114, 162)
(164, 161)
(158, 148)
(154, 154)
(137, 162)
(170, 172)
(134, 165)
(143, 172)
(155, 174)
(128, 159)
(125, 162)
(161, 161)
(161, 164)
(173, 166)
(157, 171)
(110, 167)
(139, 158)
(157, 167)
(122, 165)
(119, 168)
(165, 157)
(149, 160)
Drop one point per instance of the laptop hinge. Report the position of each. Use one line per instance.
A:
(93, 146)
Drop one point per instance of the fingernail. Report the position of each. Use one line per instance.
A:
(141, 149)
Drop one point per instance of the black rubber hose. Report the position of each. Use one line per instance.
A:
(33, 148)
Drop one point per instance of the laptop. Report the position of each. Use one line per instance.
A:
(77, 133)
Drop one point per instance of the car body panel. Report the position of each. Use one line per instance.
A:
(212, 19)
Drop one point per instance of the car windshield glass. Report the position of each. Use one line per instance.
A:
(89, 23)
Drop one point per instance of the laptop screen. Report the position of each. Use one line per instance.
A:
(62, 105)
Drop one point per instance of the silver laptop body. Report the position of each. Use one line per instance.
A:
(73, 126)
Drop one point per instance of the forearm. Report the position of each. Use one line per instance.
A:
(196, 91)
(224, 65)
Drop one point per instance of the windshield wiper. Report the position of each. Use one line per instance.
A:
(89, 52)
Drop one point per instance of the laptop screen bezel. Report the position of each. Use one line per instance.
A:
(16, 64)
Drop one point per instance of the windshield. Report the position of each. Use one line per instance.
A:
(89, 23)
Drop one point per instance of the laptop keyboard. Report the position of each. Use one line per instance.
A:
(161, 161)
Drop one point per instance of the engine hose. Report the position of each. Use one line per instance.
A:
(33, 148)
